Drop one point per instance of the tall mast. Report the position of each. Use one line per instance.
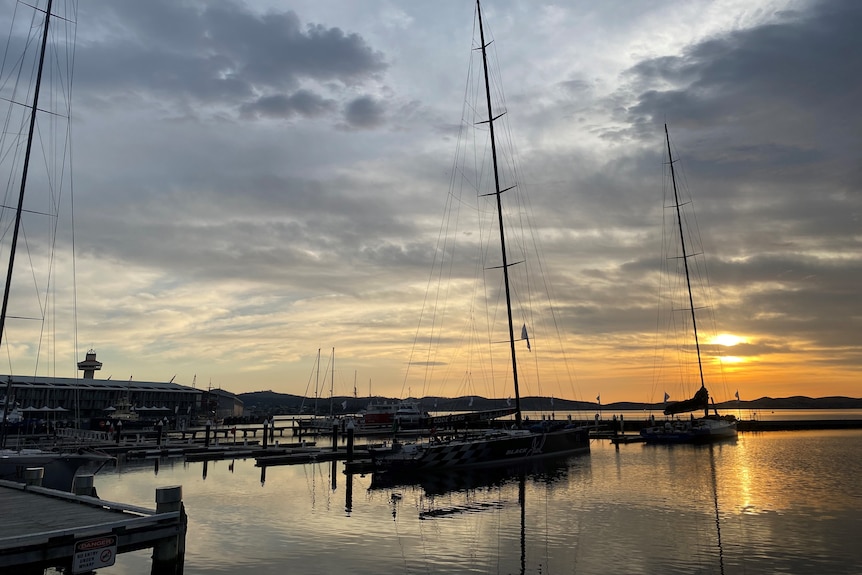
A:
(498, 192)
(20, 209)
(317, 383)
(332, 383)
(685, 260)
(33, 109)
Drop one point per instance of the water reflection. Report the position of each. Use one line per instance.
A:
(769, 503)
(442, 482)
(446, 495)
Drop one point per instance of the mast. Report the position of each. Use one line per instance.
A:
(685, 263)
(498, 193)
(332, 383)
(20, 207)
(317, 383)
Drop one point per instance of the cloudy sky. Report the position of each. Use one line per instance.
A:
(254, 181)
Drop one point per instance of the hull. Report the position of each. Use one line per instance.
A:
(321, 423)
(407, 414)
(497, 448)
(60, 468)
(692, 431)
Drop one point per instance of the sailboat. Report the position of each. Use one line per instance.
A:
(704, 429)
(325, 423)
(494, 447)
(61, 465)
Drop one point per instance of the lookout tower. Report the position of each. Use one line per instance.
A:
(89, 366)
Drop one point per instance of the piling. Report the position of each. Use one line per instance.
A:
(348, 494)
(350, 437)
(265, 434)
(334, 437)
(159, 427)
(169, 553)
(34, 475)
(207, 435)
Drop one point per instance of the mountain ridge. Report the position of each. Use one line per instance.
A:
(285, 403)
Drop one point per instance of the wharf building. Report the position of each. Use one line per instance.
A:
(89, 399)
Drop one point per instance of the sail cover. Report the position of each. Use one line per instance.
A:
(699, 401)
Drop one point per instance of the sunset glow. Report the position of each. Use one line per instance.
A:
(727, 340)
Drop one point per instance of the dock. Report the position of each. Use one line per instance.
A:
(45, 528)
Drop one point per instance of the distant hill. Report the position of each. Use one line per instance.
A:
(274, 403)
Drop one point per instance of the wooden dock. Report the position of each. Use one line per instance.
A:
(44, 528)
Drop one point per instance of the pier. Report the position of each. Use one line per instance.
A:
(45, 528)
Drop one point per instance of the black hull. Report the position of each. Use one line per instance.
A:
(502, 448)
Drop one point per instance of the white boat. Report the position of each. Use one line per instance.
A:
(492, 447)
(11, 414)
(404, 414)
(123, 411)
(704, 429)
(61, 464)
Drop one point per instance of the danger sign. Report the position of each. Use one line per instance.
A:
(94, 553)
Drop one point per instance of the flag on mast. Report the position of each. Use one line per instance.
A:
(737, 395)
(525, 337)
(599, 399)
(666, 397)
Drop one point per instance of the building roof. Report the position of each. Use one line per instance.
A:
(96, 384)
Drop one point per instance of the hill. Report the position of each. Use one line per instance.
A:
(270, 402)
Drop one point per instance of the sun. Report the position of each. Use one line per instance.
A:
(727, 340)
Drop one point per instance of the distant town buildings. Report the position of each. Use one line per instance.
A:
(87, 398)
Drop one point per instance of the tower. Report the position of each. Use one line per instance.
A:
(89, 366)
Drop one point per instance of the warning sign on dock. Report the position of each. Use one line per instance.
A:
(94, 553)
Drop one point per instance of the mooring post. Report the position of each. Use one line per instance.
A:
(265, 434)
(168, 553)
(159, 433)
(350, 434)
(207, 434)
(83, 485)
(272, 429)
(334, 437)
(34, 475)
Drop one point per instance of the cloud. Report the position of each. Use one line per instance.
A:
(301, 102)
(789, 79)
(222, 55)
(364, 112)
(252, 181)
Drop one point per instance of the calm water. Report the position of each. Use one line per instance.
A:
(767, 503)
(742, 414)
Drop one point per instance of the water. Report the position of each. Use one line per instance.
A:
(779, 502)
(742, 414)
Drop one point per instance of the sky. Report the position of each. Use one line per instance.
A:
(256, 181)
